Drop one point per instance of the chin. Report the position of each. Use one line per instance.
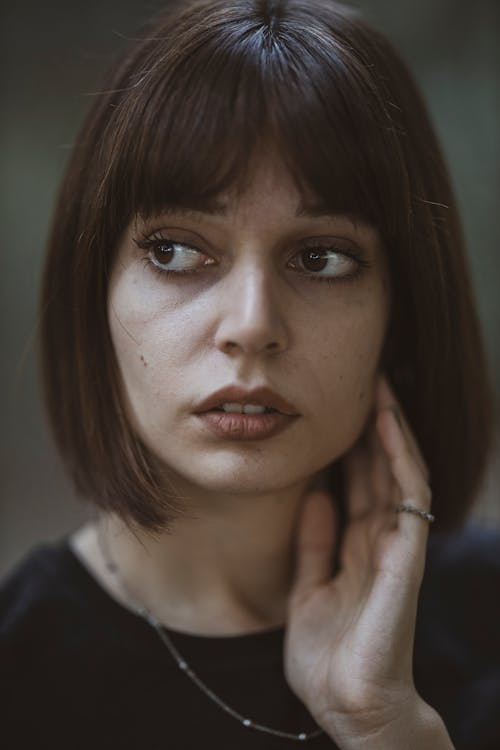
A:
(234, 473)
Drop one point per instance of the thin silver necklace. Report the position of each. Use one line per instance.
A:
(183, 665)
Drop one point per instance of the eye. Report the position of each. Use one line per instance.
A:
(170, 256)
(330, 263)
(176, 255)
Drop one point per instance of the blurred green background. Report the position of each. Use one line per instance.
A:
(53, 56)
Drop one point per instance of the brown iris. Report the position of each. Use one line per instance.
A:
(314, 260)
(163, 252)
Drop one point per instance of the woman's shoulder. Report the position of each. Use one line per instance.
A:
(49, 598)
(472, 545)
(457, 640)
(54, 605)
(463, 573)
(33, 590)
(461, 584)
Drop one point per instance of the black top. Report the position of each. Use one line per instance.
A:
(78, 670)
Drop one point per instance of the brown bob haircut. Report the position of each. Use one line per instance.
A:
(177, 122)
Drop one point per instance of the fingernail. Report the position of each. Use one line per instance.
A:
(397, 416)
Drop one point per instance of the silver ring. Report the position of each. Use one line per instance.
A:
(406, 508)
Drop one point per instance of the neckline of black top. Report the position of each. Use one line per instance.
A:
(256, 646)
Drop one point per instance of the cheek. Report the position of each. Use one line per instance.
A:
(137, 319)
(349, 364)
(144, 347)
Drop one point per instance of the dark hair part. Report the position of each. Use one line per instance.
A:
(178, 121)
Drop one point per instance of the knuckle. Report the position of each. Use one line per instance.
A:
(425, 471)
(426, 494)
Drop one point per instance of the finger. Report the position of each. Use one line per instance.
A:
(414, 490)
(356, 471)
(385, 492)
(381, 479)
(316, 534)
(385, 398)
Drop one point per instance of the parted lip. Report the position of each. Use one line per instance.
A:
(237, 394)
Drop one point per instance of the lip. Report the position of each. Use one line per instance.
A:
(237, 394)
(240, 427)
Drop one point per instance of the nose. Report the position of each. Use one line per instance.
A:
(252, 317)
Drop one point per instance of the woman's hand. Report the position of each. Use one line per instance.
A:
(349, 639)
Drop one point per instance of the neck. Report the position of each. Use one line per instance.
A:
(225, 569)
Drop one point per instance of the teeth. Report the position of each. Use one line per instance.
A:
(254, 409)
(246, 409)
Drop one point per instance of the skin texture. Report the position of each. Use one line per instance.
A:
(255, 547)
(247, 318)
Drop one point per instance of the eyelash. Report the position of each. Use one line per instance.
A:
(151, 242)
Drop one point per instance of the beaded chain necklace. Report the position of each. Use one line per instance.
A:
(183, 665)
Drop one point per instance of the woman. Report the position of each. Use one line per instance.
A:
(259, 352)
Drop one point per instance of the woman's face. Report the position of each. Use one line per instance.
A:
(278, 294)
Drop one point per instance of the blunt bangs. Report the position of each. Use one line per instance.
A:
(210, 97)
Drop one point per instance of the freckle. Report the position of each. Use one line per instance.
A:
(144, 361)
(361, 395)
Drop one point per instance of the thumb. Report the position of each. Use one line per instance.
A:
(316, 534)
